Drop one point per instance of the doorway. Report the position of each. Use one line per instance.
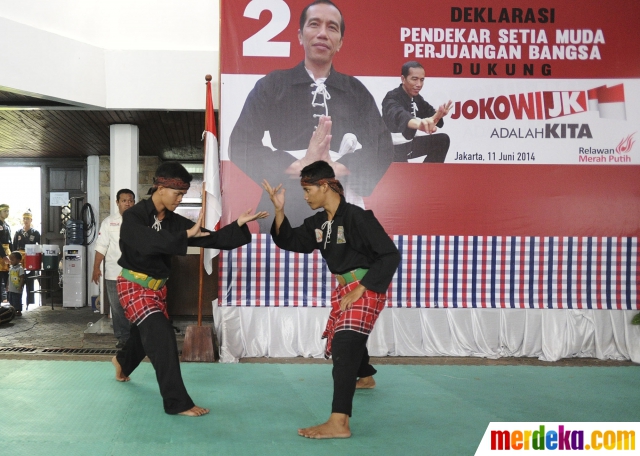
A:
(22, 192)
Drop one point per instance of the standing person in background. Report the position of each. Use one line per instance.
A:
(16, 282)
(5, 243)
(24, 236)
(108, 249)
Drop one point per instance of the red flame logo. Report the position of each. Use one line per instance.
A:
(626, 144)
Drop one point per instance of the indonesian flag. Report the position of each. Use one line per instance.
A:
(213, 208)
(608, 101)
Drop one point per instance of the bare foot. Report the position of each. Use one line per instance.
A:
(119, 376)
(195, 411)
(366, 383)
(336, 427)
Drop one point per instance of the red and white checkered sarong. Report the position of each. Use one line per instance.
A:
(140, 302)
(360, 318)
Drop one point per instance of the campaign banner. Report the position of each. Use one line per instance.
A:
(543, 84)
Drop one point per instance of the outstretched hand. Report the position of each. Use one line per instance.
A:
(428, 125)
(246, 216)
(445, 108)
(276, 195)
(442, 111)
(195, 230)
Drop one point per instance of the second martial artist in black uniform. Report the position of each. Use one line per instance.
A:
(363, 259)
(149, 235)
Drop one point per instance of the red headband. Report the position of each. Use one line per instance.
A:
(334, 184)
(171, 182)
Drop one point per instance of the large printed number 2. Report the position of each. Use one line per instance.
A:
(259, 45)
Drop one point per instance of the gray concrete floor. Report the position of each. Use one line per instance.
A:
(42, 327)
(41, 330)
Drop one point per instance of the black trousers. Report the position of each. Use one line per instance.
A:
(154, 337)
(4, 283)
(435, 147)
(30, 286)
(350, 362)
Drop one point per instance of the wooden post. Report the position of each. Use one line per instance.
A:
(198, 340)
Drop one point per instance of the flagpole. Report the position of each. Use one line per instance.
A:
(201, 280)
(204, 210)
(198, 343)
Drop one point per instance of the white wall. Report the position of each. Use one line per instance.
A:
(135, 54)
(159, 79)
(36, 62)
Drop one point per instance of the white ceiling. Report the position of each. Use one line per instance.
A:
(124, 24)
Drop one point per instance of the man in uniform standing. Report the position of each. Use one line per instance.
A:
(7, 248)
(27, 235)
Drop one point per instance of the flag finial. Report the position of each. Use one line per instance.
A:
(208, 78)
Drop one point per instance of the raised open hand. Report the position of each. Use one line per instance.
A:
(320, 141)
(194, 231)
(276, 195)
(444, 109)
(246, 216)
(318, 147)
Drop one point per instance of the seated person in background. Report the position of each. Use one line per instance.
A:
(409, 118)
(16, 282)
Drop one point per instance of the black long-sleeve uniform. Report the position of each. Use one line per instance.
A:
(397, 111)
(149, 251)
(353, 239)
(357, 240)
(281, 104)
(22, 238)
(5, 236)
